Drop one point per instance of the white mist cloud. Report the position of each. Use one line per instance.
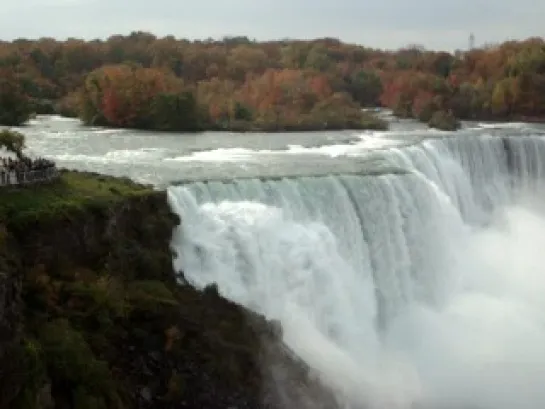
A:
(485, 348)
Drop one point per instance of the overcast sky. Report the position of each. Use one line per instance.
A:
(436, 24)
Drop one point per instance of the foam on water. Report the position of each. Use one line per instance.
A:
(495, 125)
(116, 156)
(368, 141)
(222, 154)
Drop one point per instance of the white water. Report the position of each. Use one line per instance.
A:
(420, 290)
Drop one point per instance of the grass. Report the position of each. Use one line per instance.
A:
(72, 191)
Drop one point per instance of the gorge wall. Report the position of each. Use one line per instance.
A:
(92, 317)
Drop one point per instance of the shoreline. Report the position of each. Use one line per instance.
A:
(535, 121)
(214, 130)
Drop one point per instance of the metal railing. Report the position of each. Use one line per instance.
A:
(15, 178)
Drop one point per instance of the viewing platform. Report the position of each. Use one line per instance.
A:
(17, 169)
(23, 177)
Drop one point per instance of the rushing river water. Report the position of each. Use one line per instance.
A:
(161, 159)
(405, 266)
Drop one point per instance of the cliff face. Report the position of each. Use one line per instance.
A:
(10, 309)
(130, 238)
(91, 317)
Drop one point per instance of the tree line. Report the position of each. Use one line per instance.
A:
(142, 81)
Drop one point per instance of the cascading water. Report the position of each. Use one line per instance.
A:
(421, 289)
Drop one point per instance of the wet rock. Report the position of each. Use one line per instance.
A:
(145, 393)
(44, 398)
(212, 290)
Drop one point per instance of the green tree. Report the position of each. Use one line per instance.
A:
(13, 141)
(503, 97)
(15, 107)
(365, 87)
(318, 59)
(242, 112)
(175, 112)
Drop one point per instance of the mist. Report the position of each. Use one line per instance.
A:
(484, 347)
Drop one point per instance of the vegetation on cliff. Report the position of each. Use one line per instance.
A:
(92, 316)
(72, 192)
(236, 83)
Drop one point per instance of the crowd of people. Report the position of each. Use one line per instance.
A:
(24, 170)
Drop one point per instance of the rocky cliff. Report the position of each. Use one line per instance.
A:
(92, 315)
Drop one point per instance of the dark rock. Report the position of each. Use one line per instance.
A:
(10, 316)
(45, 399)
(145, 393)
(275, 328)
(212, 290)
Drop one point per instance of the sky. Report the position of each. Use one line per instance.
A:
(435, 24)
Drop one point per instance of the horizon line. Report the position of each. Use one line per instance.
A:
(227, 37)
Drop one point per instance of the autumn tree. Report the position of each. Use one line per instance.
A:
(146, 98)
(264, 82)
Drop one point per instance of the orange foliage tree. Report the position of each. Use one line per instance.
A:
(128, 96)
(277, 81)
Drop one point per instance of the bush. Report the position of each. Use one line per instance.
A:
(70, 360)
(149, 294)
(31, 374)
(373, 122)
(68, 106)
(13, 141)
(444, 121)
(84, 400)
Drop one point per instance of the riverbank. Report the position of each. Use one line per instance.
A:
(371, 122)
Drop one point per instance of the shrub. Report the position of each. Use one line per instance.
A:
(13, 141)
(444, 121)
(70, 360)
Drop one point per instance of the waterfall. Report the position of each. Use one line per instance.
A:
(397, 289)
